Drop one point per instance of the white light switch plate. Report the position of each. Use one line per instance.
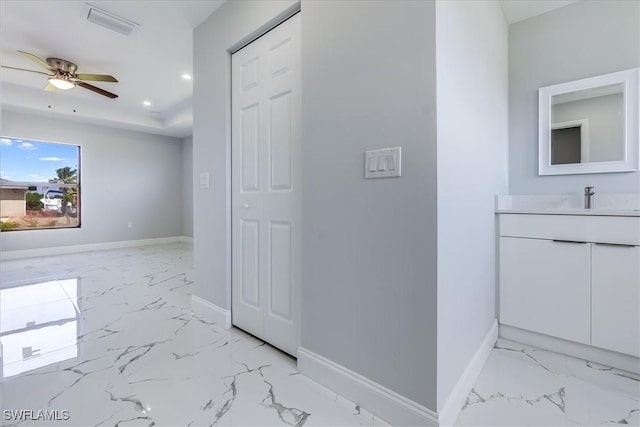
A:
(385, 163)
(204, 180)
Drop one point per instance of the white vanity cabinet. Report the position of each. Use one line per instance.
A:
(545, 287)
(575, 277)
(615, 290)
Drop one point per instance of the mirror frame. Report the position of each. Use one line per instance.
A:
(631, 161)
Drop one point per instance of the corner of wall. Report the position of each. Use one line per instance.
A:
(469, 36)
(211, 312)
(456, 399)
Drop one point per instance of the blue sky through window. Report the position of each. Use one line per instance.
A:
(34, 161)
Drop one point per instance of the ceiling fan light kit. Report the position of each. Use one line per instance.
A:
(64, 75)
(61, 83)
(63, 69)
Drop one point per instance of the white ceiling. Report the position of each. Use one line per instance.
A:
(519, 10)
(149, 63)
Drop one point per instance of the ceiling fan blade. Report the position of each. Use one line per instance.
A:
(97, 78)
(50, 88)
(37, 60)
(97, 90)
(24, 69)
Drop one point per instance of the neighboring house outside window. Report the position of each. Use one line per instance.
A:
(39, 185)
(13, 199)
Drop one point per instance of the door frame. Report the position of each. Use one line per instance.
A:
(260, 31)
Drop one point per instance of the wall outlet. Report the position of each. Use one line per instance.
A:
(130, 224)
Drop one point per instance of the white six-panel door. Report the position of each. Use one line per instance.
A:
(266, 186)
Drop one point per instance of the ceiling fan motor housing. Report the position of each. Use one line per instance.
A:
(62, 65)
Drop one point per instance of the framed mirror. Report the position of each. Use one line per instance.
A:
(589, 125)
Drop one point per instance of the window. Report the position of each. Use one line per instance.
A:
(39, 185)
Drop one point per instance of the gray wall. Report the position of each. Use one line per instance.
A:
(369, 246)
(232, 23)
(187, 186)
(365, 85)
(581, 40)
(125, 176)
(472, 168)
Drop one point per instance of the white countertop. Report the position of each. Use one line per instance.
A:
(627, 204)
(570, 211)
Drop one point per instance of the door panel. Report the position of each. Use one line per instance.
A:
(280, 57)
(249, 152)
(280, 142)
(265, 154)
(280, 283)
(249, 74)
(545, 287)
(615, 321)
(250, 275)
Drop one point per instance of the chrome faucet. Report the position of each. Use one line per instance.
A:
(589, 192)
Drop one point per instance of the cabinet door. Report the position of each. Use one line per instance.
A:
(615, 313)
(545, 287)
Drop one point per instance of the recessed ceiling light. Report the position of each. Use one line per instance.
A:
(186, 76)
(146, 103)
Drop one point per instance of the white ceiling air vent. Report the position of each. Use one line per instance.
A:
(109, 20)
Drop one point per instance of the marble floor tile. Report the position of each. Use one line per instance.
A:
(108, 339)
(526, 386)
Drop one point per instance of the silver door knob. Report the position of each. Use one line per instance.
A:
(246, 206)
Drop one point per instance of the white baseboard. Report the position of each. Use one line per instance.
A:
(377, 399)
(210, 311)
(72, 249)
(581, 351)
(458, 396)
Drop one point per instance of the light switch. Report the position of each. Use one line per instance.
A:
(373, 164)
(391, 162)
(382, 163)
(385, 163)
(204, 180)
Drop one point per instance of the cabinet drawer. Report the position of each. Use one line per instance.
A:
(582, 228)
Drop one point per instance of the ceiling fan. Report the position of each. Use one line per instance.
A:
(62, 75)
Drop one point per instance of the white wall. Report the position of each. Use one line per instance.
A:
(125, 176)
(369, 246)
(472, 86)
(581, 40)
(227, 27)
(187, 186)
